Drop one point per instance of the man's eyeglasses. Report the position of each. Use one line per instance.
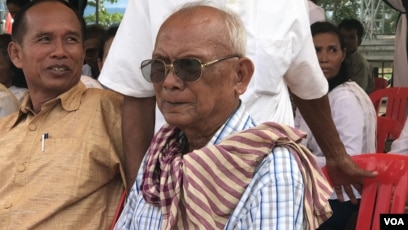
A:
(186, 69)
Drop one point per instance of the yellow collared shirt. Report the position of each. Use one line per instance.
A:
(62, 168)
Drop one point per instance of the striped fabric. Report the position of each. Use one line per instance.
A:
(211, 180)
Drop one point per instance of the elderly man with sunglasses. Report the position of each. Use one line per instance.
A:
(211, 167)
(280, 45)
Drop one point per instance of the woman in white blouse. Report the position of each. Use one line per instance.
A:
(352, 111)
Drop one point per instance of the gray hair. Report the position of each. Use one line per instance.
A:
(236, 31)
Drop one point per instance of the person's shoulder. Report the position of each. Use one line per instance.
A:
(278, 169)
(352, 87)
(279, 162)
(104, 93)
(8, 102)
(344, 90)
(2, 87)
(359, 58)
(346, 95)
(7, 122)
(89, 82)
(112, 95)
(106, 101)
(4, 93)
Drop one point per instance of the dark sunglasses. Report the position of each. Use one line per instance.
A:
(186, 69)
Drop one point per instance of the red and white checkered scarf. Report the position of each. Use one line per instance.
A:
(200, 189)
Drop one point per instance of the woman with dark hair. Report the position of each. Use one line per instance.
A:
(352, 111)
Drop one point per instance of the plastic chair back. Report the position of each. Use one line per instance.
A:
(384, 194)
(396, 99)
(119, 209)
(380, 83)
(388, 129)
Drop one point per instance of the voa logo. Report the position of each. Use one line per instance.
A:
(393, 221)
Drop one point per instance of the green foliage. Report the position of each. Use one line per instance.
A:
(103, 17)
(339, 9)
(106, 19)
(385, 19)
(390, 27)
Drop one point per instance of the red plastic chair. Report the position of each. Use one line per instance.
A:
(384, 194)
(380, 83)
(119, 209)
(396, 99)
(387, 129)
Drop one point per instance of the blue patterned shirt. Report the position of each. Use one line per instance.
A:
(272, 200)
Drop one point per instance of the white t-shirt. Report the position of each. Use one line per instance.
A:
(279, 43)
(316, 13)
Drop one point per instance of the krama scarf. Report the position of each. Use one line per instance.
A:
(200, 189)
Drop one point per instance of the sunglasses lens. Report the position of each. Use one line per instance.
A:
(153, 71)
(187, 69)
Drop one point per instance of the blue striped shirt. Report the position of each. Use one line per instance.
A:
(272, 200)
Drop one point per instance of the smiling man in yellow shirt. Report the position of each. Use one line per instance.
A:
(61, 158)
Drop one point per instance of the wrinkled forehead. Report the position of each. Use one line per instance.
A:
(187, 30)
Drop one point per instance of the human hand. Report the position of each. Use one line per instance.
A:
(345, 173)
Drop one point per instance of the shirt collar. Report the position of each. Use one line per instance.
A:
(238, 121)
(70, 101)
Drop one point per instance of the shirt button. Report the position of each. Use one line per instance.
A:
(8, 205)
(21, 168)
(32, 127)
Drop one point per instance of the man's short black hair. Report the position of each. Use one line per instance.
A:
(352, 24)
(19, 25)
(20, 3)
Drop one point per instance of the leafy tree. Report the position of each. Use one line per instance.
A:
(101, 16)
(384, 20)
(338, 9)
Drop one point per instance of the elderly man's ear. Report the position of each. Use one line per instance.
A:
(245, 72)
